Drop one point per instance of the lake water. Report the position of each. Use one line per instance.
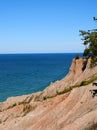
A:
(27, 73)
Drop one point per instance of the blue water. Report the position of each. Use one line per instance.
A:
(27, 73)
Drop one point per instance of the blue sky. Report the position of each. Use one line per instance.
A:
(44, 26)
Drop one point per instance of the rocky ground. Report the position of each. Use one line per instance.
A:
(67, 104)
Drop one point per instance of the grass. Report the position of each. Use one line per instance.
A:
(93, 61)
(13, 105)
(88, 81)
(38, 97)
(27, 108)
(58, 93)
(47, 97)
(68, 89)
(83, 83)
(64, 91)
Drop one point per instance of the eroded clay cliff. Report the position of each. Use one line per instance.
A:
(75, 109)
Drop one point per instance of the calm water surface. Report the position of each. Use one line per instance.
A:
(27, 73)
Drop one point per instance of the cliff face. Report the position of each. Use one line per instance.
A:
(73, 110)
(80, 70)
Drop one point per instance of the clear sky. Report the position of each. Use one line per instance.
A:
(44, 26)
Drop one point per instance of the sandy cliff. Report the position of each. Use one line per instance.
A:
(55, 108)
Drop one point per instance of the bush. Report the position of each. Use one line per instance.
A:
(93, 61)
(77, 56)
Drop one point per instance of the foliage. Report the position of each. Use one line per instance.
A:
(77, 56)
(90, 41)
(93, 61)
(66, 90)
(88, 81)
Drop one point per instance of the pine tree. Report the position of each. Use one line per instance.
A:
(90, 41)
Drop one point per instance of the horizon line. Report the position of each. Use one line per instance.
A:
(41, 53)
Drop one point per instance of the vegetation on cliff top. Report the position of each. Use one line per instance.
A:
(90, 41)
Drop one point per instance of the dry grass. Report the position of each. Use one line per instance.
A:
(88, 81)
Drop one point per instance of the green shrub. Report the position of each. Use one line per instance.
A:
(77, 56)
(93, 61)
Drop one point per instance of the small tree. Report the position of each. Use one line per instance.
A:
(77, 56)
(90, 41)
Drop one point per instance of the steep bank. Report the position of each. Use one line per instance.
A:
(72, 110)
(79, 72)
